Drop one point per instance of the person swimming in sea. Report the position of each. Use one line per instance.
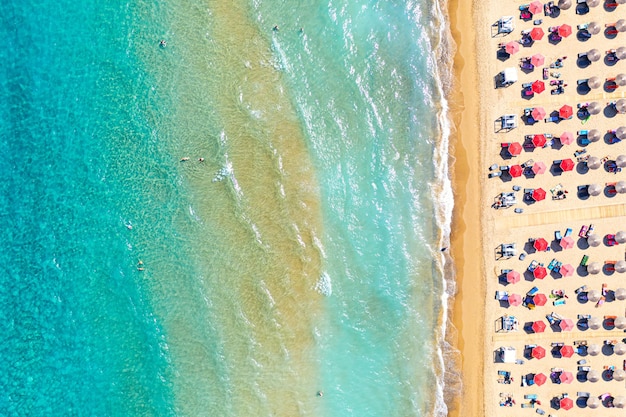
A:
(162, 43)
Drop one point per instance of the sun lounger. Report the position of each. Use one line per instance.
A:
(584, 260)
(568, 231)
(532, 291)
(552, 119)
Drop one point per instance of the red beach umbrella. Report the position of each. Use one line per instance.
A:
(567, 351)
(539, 168)
(566, 112)
(538, 86)
(566, 403)
(567, 270)
(515, 300)
(535, 7)
(538, 113)
(536, 34)
(540, 300)
(538, 194)
(516, 171)
(540, 379)
(538, 326)
(566, 325)
(511, 47)
(539, 141)
(565, 30)
(515, 148)
(512, 277)
(566, 377)
(567, 138)
(540, 273)
(567, 164)
(540, 244)
(537, 60)
(567, 243)
(538, 352)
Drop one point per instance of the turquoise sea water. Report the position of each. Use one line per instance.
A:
(301, 255)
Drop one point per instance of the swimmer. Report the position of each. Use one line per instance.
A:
(184, 158)
(275, 28)
(320, 393)
(162, 43)
(140, 265)
(200, 159)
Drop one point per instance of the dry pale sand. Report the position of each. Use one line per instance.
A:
(478, 145)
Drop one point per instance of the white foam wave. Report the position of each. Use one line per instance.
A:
(324, 285)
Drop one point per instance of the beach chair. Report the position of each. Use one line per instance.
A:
(568, 231)
(559, 302)
(583, 394)
(584, 261)
(532, 291)
(579, 290)
(553, 119)
(557, 235)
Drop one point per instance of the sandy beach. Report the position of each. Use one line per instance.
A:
(562, 215)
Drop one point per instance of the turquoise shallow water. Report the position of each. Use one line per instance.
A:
(300, 255)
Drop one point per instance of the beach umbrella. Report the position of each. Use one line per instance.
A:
(564, 30)
(593, 3)
(620, 266)
(535, 7)
(540, 244)
(537, 60)
(539, 379)
(538, 194)
(566, 403)
(512, 277)
(540, 300)
(620, 1)
(594, 323)
(620, 236)
(620, 79)
(620, 161)
(567, 351)
(620, 293)
(567, 164)
(538, 113)
(539, 141)
(567, 325)
(619, 401)
(620, 25)
(516, 171)
(540, 273)
(566, 377)
(593, 375)
(594, 189)
(566, 111)
(594, 107)
(567, 242)
(536, 34)
(538, 86)
(515, 148)
(620, 322)
(593, 28)
(619, 375)
(511, 47)
(567, 138)
(567, 270)
(620, 105)
(538, 326)
(594, 295)
(594, 55)
(620, 348)
(594, 268)
(620, 132)
(594, 135)
(515, 300)
(594, 240)
(564, 4)
(539, 168)
(538, 352)
(620, 52)
(594, 350)
(620, 187)
(594, 162)
(593, 402)
(594, 82)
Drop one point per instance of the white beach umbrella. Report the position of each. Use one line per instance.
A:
(620, 105)
(564, 4)
(620, 348)
(620, 236)
(620, 52)
(594, 189)
(594, 240)
(593, 376)
(594, 162)
(619, 401)
(620, 266)
(620, 79)
(619, 375)
(593, 402)
(594, 295)
(594, 82)
(621, 161)
(594, 55)
(620, 1)
(620, 25)
(594, 107)
(620, 293)
(594, 268)
(593, 3)
(620, 322)
(620, 132)
(594, 349)
(593, 28)
(620, 187)
(594, 135)
(595, 323)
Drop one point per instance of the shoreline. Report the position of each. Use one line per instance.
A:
(464, 173)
